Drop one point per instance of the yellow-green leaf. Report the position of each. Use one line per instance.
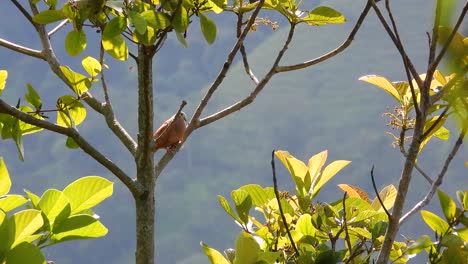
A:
(180, 21)
(48, 16)
(208, 28)
(213, 255)
(158, 20)
(71, 109)
(388, 196)
(382, 83)
(115, 27)
(316, 163)
(78, 226)
(5, 181)
(11, 202)
(87, 192)
(3, 78)
(331, 170)
(75, 42)
(24, 224)
(79, 82)
(324, 15)
(91, 66)
(116, 47)
(247, 249)
(436, 223)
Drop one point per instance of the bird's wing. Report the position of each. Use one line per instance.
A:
(161, 129)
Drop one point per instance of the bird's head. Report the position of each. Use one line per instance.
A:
(183, 115)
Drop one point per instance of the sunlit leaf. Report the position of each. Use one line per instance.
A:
(243, 203)
(52, 203)
(247, 249)
(11, 202)
(316, 163)
(72, 109)
(75, 42)
(448, 205)
(260, 196)
(382, 83)
(91, 66)
(388, 196)
(421, 244)
(324, 15)
(3, 78)
(48, 16)
(87, 192)
(78, 227)
(79, 82)
(436, 223)
(148, 38)
(354, 191)
(158, 20)
(24, 224)
(331, 170)
(224, 203)
(296, 168)
(116, 47)
(33, 198)
(5, 181)
(213, 255)
(304, 225)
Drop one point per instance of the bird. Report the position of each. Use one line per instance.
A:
(176, 127)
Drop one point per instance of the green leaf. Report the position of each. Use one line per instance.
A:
(114, 27)
(91, 66)
(247, 249)
(78, 227)
(33, 198)
(213, 255)
(71, 143)
(421, 244)
(180, 21)
(465, 200)
(224, 203)
(436, 223)
(148, 38)
(48, 16)
(87, 192)
(52, 203)
(17, 137)
(25, 253)
(324, 15)
(23, 224)
(208, 28)
(138, 22)
(260, 196)
(3, 78)
(448, 205)
(75, 42)
(26, 128)
(442, 133)
(243, 203)
(158, 20)
(11, 202)
(5, 181)
(331, 170)
(79, 82)
(379, 230)
(181, 39)
(116, 47)
(383, 84)
(33, 97)
(304, 225)
(76, 111)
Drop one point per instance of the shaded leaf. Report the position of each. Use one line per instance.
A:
(114, 27)
(158, 20)
(138, 22)
(208, 28)
(243, 203)
(75, 42)
(33, 97)
(48, 16)
(25, 253)
(180, 21)
(421, 244)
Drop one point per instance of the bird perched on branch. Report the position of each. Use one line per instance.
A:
(171, 132)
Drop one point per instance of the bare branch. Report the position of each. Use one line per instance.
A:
(244, 52)
(334, 52)
(425, 201)
(222, 74)
(23, 11)
(378, 195)
(57, 28)
(275, 186)
(250, 98)
(24, 50)
(73, 133)
(109, 115)
(435, 34)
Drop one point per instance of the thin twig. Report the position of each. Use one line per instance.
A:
(244, 52)
(439, 119)
(57, 28)
(275, 186)
(73, 133)
(24, 50)
(435, 34)
(345, 227)
(334, 52)
(377, 193)
(109, 114)
(251, 97)
(23, 11)
(425, 201)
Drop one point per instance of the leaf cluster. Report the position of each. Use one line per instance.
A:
(55, 217)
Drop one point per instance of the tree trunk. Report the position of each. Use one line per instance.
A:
(144, 199)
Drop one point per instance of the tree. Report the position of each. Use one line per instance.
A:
(138, 29)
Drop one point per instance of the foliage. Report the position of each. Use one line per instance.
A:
(349, 230)
(55, 217)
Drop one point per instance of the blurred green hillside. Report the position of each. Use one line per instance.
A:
(305, 112)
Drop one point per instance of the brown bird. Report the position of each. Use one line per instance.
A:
(174, 134)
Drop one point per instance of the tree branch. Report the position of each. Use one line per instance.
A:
(57, 28)
(435, 185)
(24, 50)
(244, 52)
(250, 98)
(334, 52)
(23, 11)
(73, 133)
